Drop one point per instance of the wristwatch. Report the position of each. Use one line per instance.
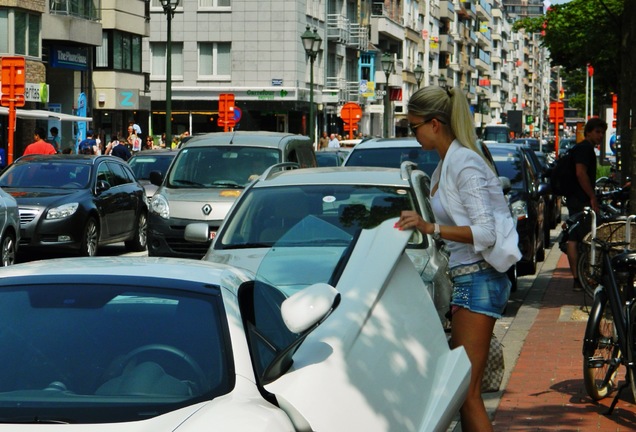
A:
(437, 234)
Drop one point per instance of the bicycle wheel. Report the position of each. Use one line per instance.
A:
(601, 353)
(632, 344)
(589, 279)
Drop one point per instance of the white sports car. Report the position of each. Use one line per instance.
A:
(162, 344)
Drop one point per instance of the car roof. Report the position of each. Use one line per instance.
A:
(156, 152)
(75, 158)
(387, 142)
(250, 138)
(335, 175)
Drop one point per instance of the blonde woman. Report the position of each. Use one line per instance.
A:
(467, 198)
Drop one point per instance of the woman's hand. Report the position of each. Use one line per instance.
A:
(411, 219)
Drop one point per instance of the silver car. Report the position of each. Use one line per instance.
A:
(340, 201)
(9, 229)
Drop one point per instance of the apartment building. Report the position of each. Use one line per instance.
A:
(253, 50)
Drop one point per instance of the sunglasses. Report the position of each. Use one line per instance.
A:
(414, 127)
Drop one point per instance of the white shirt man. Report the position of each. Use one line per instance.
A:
(333, 141)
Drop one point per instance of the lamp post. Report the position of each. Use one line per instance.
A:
(169, 6)
(387, 67)
(419, 74)
(311, 43)
(442, 81)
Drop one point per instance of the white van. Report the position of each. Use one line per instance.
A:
(496, 133)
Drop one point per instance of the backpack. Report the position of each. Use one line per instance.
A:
(563, 177)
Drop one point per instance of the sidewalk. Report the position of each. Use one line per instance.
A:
(543, 387)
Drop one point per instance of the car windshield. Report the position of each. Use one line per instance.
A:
(46, 174)
(508, 164)
(266, 214)
(142, 165)
(103, 352)
(533, 143)
(392, 157)
(220, 166)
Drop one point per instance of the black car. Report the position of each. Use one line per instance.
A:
(147, 161)
(77, 202)
(527, 200)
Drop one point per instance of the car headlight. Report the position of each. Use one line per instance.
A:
(160, 206)
(62, 211)
(519, 209)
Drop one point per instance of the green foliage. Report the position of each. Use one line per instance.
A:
(603, 170)
(581, 32)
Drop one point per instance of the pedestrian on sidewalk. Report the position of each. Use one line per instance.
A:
(582, 194)
(470, 208)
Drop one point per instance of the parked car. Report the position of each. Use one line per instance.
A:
(161, 344)
(147, 161)
(553, 201)
(331, 156)
(207, 176)
(9, 229)
(391, 152)
(77, 202)
(533, 143)
(566, 144)
(345, 200)
(527, 199)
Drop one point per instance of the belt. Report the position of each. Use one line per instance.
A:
(470, 268)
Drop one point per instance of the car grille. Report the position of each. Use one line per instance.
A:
(27, 215)
(182, 246)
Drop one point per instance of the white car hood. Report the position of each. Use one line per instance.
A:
(340, 380)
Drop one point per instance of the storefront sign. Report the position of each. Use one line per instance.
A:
(36, 92)
(127, 99)
(69, 57)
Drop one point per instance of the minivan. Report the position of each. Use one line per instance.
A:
(206, 177)
(496, 133)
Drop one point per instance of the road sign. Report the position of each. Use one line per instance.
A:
(237, 114)
(351, 113)
(226, 111)
(13, 81)
(556, 112)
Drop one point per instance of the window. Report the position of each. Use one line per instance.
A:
(4, 31)
(27, 34)
(214, 3)
(119, 51)
(158, 61)
(215, 59)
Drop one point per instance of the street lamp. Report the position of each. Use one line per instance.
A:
(442, 81)
(419, 74)
(387, 67)
(169, 6)
(311, 43)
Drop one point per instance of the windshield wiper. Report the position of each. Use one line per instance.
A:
(227, 184)
(187, 182)
(247, 245)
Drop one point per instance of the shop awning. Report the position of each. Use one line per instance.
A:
(43, 115)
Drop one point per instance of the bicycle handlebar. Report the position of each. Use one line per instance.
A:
(606, 245)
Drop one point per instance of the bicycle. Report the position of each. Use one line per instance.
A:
(609, 334)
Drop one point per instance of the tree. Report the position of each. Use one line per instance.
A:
(602, 33)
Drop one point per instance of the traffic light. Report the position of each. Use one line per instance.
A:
(561, 94)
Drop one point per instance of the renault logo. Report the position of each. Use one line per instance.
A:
(206, 209)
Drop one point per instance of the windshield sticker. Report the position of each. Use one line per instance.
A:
(329, 199)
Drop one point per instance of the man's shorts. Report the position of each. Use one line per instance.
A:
(583, 228)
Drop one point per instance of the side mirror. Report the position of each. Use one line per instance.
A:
(505, 184)
(308, 307)
(197, 232)
(156, 178)
(102, 186)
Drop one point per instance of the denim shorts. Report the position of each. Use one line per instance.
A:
(484, 291)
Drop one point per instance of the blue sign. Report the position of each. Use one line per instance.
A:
(237, 114)
(81, 126)
(69, 57)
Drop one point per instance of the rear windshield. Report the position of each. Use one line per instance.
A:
(393, 157)
(498, 134)
(220, 166)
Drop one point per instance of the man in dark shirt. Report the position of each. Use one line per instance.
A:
(583, 194)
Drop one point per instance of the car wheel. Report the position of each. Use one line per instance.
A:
(140, 239)
(541, 253)
(9, 249)
(90, 239)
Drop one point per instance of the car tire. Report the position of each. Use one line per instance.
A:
(9, 249)
(90, 238)
(139, 242)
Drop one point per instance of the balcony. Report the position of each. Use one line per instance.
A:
(483, 10)
(446, 43)
(446, 10)
(338, 28)
(382, 24)
(85, 9)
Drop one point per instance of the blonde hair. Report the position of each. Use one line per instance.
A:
(449, 105)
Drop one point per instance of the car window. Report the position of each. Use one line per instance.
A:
(119, 347)
(509, 164)
(393, 157)
(219, 166)
(265, 214)
(142, 165)
(105, 174)
(120, 177)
